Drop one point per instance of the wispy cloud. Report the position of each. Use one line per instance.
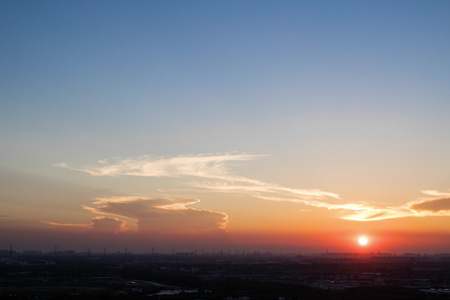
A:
(86, 226)
(377, 214)
(209, 171)
(436, 193)
(203, 166)
(102, 224)
(212, 172)
(435, 205)
(320, 204)
(259, 186)
(419, 208)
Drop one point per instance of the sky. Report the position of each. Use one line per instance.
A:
(287, 126)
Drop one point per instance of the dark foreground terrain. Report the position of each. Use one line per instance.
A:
(188, 276)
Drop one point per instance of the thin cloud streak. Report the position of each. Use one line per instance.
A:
(436, 193)
(420, 208)
(260, 186)
(103, 224)
(203, 166)
(86, 226)
(378, 214)
(330, 206)
(272, 192)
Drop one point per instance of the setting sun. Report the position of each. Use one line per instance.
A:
(362, 241)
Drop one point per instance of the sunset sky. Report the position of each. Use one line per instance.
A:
(290, 126)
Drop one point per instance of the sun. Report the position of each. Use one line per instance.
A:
(363, 241)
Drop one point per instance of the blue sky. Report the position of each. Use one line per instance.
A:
(127, 66)
(349, 97)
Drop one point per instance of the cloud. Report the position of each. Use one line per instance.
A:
(421, 208)
(263, 187)
(102, 224)
(166, 215)
(108, 224)
(210, 171)
(203, 166)
(274, 192)
(436, 193)
(320, 204)
(435, 205)
(377, 214)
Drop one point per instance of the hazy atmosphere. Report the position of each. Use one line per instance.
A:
(287, 126)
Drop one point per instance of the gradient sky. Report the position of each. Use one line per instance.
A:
(259, 125)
